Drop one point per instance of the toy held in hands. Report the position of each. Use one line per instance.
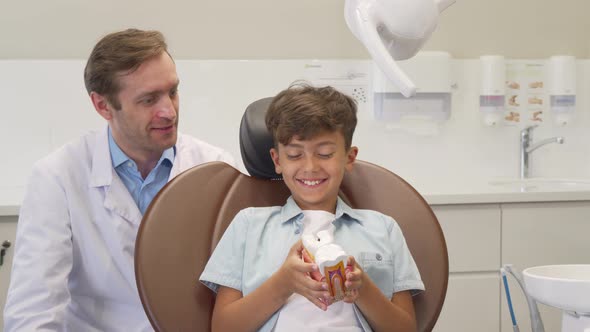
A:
(319, 247)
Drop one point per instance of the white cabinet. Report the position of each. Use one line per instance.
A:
(482, 237)
(472, 233)
(471, 304)
(542, 234)
(7, 232)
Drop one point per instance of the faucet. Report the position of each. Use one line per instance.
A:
(527, 146)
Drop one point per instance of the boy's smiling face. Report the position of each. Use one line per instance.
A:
(313, 169)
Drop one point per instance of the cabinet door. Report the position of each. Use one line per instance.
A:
(472, 233)
(536, 234)
(7, 232)
(471, 304)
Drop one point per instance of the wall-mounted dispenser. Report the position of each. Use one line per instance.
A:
(492, 96)
(431, 72)
(561, 79)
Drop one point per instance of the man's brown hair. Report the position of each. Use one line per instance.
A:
(304, 111)
(120, 53)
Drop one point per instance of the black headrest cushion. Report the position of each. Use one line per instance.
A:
(256, 141)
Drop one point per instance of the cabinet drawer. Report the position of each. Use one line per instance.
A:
(472, 233)
(545, 234)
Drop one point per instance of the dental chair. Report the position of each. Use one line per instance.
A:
(187, 218)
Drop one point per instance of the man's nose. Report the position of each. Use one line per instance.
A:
(167, 109)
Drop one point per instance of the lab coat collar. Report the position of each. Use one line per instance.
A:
(102, 170)
(117, 197)
(179, 162)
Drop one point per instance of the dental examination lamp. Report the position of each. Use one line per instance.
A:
(394, 30)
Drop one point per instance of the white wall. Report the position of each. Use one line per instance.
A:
(45, 105)
(44, 102)
(278, 29)
(465, 151)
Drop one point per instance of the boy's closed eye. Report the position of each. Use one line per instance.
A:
(326, 155)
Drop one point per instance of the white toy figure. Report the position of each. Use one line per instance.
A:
(318, 241)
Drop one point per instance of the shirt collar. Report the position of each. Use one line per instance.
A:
(119, 157)
(292, 212)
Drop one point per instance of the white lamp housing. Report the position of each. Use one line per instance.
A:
(394, 30)
(561, 77)
(493, 89)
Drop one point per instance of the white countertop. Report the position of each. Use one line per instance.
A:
(464, 192)
(504, 190)
(504, 196)
(10, 200)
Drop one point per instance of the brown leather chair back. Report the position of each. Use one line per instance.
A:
(185, 221)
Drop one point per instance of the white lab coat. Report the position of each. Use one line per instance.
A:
(73, 267)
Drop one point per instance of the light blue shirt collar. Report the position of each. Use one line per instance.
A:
(291, 211)
(119, 157)
(142, 189)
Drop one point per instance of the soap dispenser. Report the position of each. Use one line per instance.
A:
(561, 72)
(492, 96)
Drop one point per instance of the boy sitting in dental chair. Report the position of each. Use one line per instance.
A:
(268, 279)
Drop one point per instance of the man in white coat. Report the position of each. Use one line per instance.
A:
(73, 264)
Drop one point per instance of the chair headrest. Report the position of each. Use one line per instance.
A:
(256, 141)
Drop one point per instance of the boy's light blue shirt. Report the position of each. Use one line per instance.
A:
(256, 243)
(142, 191)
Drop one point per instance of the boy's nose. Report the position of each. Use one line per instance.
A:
(310, 164)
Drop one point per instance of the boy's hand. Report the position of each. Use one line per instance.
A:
(315, 275)
(296, 277)
(354, 280)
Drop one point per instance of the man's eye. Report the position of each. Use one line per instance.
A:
(148, 101)
(326, 155)
(174, 93)
(293, 156)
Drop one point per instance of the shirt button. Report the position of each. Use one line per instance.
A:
(378, 257)
(129, 165)
(297, 231)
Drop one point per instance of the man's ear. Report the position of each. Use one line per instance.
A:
(101, 105)
(351, 157)
(274, 155)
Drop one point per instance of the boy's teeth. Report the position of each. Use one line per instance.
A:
(311, 183)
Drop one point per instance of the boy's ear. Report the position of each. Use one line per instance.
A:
(274, 155)
(351, 157)
(101, 105)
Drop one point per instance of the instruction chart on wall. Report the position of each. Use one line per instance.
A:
(526, 100)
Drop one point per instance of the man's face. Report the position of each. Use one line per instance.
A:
(313, 169)
(147, 122)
